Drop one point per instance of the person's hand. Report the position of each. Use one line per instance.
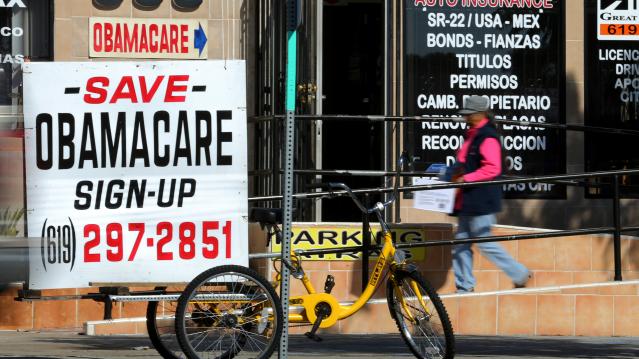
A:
(459, 179)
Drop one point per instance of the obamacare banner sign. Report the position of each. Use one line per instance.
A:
(148, 38)
(135, 172)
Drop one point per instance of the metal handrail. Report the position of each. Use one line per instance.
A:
(548, 178)
(562, 179)
(616, 230)
(372, 173)
(380, 118)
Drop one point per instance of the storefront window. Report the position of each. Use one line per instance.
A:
(512, 55)
(25, 35)
(612, 91)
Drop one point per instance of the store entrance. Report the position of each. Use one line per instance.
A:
(353, 84)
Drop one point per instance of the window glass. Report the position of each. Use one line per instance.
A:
(612, 91)
(514, 55)
(25, 35)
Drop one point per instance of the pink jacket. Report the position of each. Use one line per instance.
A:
(490, 151)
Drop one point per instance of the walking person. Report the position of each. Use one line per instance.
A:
(480, 159)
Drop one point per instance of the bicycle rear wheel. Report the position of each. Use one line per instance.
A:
(420, 316)
(229, 312)
(160, 324)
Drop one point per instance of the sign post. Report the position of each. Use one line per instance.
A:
(293, 12)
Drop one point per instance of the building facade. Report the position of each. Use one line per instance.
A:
(368, 70)
(393, 58)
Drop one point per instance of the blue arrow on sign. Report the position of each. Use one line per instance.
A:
(200, 39)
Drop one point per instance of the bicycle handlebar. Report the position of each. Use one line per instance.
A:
(330, 186)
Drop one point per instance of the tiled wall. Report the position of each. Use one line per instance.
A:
(598, 311)
(227, 23)
(58, 314)
(608, 311)
(11, 176)
(584, 259)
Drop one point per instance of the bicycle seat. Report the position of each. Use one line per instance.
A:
(266, 215)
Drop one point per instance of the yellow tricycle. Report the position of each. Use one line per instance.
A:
(232, 311)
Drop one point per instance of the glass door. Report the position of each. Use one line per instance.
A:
(266, 172)
(352, 61)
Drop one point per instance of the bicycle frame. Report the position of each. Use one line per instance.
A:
(385, 259)
(304, 308)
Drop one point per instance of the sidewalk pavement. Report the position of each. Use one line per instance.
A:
(45, 345)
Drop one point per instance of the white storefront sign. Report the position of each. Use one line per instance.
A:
(618, 20)
(135, 172)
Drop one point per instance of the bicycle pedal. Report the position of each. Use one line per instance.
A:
(313, 336)
(329, 284)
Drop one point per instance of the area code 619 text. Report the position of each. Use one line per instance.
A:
(107, 243)
(619, 29)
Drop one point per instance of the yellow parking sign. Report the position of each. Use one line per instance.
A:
(309, 236)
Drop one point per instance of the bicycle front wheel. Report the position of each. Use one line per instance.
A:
(420, 316)
(229, 312)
